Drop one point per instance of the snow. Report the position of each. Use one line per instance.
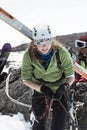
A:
(15, 122)
(15, 60)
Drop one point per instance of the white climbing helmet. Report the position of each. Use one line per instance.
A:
(41, 32)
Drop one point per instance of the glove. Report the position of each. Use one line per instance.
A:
(46, 91)
(62, 90)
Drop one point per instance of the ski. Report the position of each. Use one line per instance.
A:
(4, 54)
(80, 70)
(12, 21)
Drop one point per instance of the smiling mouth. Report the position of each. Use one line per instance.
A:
(44, 49)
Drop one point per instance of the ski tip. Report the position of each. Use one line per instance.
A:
(6, 47)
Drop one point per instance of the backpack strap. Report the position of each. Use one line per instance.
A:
(59, 63)
(58, 59)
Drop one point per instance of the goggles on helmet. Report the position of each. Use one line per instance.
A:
(80, 44)
(41, 42)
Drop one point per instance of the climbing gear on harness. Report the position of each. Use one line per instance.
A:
(73, 123)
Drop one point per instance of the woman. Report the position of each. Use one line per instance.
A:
(41, 73)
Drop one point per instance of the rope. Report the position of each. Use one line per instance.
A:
(12, 99)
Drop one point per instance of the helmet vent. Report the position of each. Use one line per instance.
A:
(49, 30)
(35, 32)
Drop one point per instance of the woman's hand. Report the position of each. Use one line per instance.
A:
(46, 91)
(63, 89)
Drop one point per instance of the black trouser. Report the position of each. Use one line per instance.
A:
(59, 115)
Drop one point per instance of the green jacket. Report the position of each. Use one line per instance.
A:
(83, 64)
(33, 70)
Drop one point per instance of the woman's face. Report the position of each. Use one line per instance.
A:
(84, 51)
(45, 47)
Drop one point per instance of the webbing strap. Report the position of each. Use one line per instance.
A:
(58, 59)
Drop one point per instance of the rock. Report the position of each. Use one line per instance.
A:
(82, 117)
(18, 91)
(81, 96)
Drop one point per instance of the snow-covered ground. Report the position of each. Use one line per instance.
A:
(15, 122)
(15, 60)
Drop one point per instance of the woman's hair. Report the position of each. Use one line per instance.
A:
(33, 48)
(56, 44)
